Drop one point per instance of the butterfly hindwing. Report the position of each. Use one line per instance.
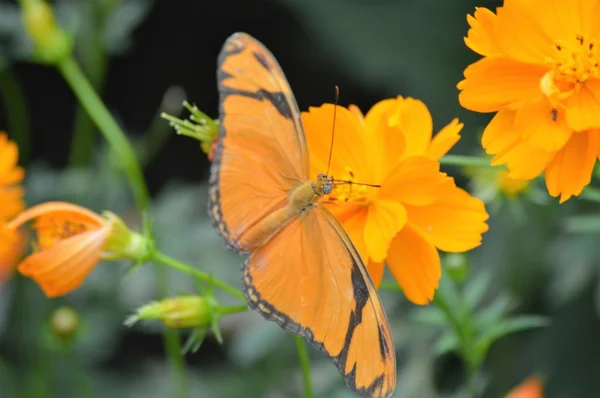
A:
(310, 280)
(261, 139)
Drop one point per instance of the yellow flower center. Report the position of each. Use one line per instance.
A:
(575, 60)
(346, 189)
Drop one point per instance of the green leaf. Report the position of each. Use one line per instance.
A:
(476, 288)
(447, 342)
(491, 314)
(507, 327)
(194, 341)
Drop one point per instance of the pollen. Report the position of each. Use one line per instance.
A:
(345, 189)
(575, 60)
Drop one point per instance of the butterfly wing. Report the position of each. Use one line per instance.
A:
(261, 154)
(311, 281)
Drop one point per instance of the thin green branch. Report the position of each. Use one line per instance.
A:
(187, 269)
(305, 364)
(461, 160)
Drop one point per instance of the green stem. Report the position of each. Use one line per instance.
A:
(460, 160)
(187, 269)
(96, 109)
(305, 364)
(83, 383)
(119, 143)
(16, 112)
(461, 326)
(233, 309)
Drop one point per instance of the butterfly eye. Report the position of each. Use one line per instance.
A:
(328, 187)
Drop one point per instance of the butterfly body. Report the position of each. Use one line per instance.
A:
(302, 271)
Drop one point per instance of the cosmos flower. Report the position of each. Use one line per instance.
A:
(11, 203)
(71, 240)
(415, 210)
(540, 73)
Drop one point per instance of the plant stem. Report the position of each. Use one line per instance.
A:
(92, 103)
(461, 326)
(84, 385)
(461, 160)
(233, 309)
(119, 143)
(16, 112)
(305, 364)
(187, 269)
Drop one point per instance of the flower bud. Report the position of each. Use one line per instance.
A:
(52, 44)
(124, 243)
(64, 324)
(184, 312)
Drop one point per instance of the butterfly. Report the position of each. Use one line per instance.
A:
(302, 271)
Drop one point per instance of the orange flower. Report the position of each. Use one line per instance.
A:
(11, 203)
(540, 72)
(416, 210)
(70, 242)
(530, 388)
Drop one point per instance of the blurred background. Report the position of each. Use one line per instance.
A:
(147, 56)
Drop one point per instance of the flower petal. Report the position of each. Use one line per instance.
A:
(375, 272)
(445, 140)
(480, 37)
(518, 34)
(415, 180)
(524, 160)
(49, 208)
(414, 120)
(63, 267)
(583, 107)
(543, 126)
(571, 169)
(348, 145)
(454, 223)
(386, 141)
(492, 83)
(415, 264)
(560, 19)
(353, 219)
(384, 220)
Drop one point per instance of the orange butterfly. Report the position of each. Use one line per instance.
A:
(303, 271)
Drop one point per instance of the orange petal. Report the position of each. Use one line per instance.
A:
(11, 202)
(445, 140)
(530, 388)
(12, 246)
(543, 126)
(518, 34)
(480, 37)
(412, 117)
(415, 180)
(349, 142)
(583, 107)
(63, 267)
(384, 220)
(77, 212)
(415, 264)
(353, 219)
(375, 272)
(524, 160)
(9, 154)
(571, 169)
(355, 110)
(386, 141)
(454, 223)
(492, 83)
(560, 19)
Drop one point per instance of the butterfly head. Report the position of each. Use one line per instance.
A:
(324, 184)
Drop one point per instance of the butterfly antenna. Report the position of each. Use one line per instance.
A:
(337, 96)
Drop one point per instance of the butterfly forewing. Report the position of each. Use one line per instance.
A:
(261, 153)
